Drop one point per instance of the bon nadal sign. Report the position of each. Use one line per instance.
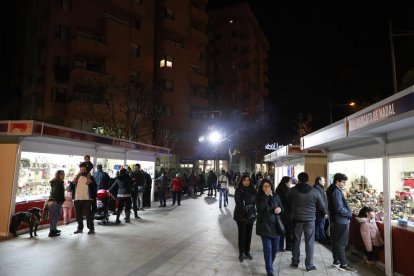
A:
(383, 112)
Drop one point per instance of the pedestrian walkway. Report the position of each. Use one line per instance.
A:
(196, 238)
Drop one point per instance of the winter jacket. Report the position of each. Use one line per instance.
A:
(266, 218)
(321, 190)
(370, 233)
(57, 191)
(138, 178)
(304, 201)
(244, 196)
(102, 179)
(223, 182)
(176, 185)
(123, 184)
(339, 211)
(282, 191)
(163, 183)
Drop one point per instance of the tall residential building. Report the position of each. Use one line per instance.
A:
(238, 52)
(238, 60)
(68, 50)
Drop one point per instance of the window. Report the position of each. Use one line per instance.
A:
(166, 61)
(136, 23)
(59, 95)
(62, 32)
(168, 84)
(168, 13)
(61, 69)
(63, 5)
(135, 50)
(168, 111)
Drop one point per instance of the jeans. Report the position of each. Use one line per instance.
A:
(177, 195)
(320, 228)
(245, 236)
(161, 195)
(339, 241)
(84, 206)
(308, 228)
(54, 211)
(270, 249)
(222, 196)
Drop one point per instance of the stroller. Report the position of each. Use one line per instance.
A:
(102, 199)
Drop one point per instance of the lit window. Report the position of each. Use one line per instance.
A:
(166, 61)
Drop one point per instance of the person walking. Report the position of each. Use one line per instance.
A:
(304, 202)
(268, 206)
(282, 191)
(56, 199)
(222, 186)
(84, 191)
(321, 218)
(138, 186)
(122, 184)
(245, 215)
(339, 218)
(211, 182)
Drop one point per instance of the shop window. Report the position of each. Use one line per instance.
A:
(62, 32)
(135, 50)
(63, 5)
(59, 95)
(166, 61)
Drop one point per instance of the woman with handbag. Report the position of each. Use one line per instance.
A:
(245, 215)
(269, 226)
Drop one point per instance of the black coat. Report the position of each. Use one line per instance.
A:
(57, 191)
(266, 218)
(243, 197)
(122, 184)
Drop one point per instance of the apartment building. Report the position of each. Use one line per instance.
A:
(69, 51)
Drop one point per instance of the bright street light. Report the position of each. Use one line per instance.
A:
(352, 104)
(214, 137)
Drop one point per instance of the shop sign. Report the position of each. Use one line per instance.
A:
(124, 144)
(383, 112)
(294, 149)
(273, 146)
(20, 128)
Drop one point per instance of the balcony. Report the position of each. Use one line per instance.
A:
(199, 14)
(197, 77)
(198, 35)
(86, 43)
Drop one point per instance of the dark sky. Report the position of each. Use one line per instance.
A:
(342, 50)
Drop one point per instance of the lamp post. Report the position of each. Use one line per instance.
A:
(337, 105)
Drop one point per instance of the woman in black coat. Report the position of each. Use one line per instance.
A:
(123, 186)
(282, 191)
(245, 215)
(268, 206)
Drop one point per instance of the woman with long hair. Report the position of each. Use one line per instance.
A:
(282, 191)
(245, 215)
(268, 207)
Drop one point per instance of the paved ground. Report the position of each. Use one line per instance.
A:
(196, 238)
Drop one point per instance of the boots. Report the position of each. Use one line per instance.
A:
(127, 214)
(117, 218)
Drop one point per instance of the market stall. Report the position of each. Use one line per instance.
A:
(375, 148)
(33, 151)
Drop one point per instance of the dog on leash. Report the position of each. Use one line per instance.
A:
(31, 218)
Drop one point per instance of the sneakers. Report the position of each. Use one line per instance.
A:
(347, 268)
(249, 256)
(336, 263)
(311, 268)
(241, 258)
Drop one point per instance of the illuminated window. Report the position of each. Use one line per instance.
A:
(166, 61)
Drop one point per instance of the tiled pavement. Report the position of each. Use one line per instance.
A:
(196, 238)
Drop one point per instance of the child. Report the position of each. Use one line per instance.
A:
(370, 234)
(67, 207)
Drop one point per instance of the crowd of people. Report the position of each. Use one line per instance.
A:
(297, 205)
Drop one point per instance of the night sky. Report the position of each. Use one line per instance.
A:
(342, 50)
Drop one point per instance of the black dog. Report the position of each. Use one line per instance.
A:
(31, 218)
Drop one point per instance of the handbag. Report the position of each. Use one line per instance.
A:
(249, 213)
(280, 227)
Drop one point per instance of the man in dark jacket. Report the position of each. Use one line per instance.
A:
(304, 202)
(339, 216)
(102, 178)
(138, 185)
(320, 217)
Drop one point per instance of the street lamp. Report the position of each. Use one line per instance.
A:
(214, 138)
(336, 105)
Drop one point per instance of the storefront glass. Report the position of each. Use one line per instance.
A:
(110, 166)
(365, 182)
(37, 169)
